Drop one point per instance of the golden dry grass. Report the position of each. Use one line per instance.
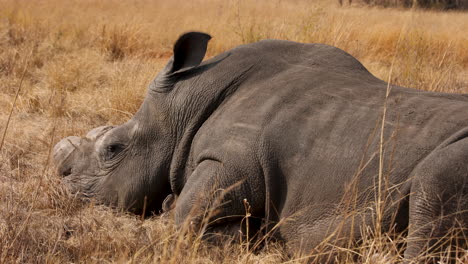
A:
(75, 65)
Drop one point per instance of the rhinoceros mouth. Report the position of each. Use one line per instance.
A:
(83, 186)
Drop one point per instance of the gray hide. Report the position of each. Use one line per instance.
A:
(295, 130)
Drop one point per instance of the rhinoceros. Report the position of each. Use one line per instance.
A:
(301, 136)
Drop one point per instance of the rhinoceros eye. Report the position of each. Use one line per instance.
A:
(112, 150)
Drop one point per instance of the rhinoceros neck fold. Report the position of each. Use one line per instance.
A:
(202, 99)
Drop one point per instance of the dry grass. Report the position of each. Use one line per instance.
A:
(87, 63)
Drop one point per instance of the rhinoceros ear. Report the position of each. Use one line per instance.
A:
(189, 50)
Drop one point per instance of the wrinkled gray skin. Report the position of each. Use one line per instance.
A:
(296, 129)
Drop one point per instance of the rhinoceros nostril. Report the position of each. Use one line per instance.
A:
(66, 172)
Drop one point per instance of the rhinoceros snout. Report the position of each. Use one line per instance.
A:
(62, 151)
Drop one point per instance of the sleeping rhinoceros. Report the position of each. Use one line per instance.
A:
(294, 132)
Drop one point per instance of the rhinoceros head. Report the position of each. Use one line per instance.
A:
(127, 166)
